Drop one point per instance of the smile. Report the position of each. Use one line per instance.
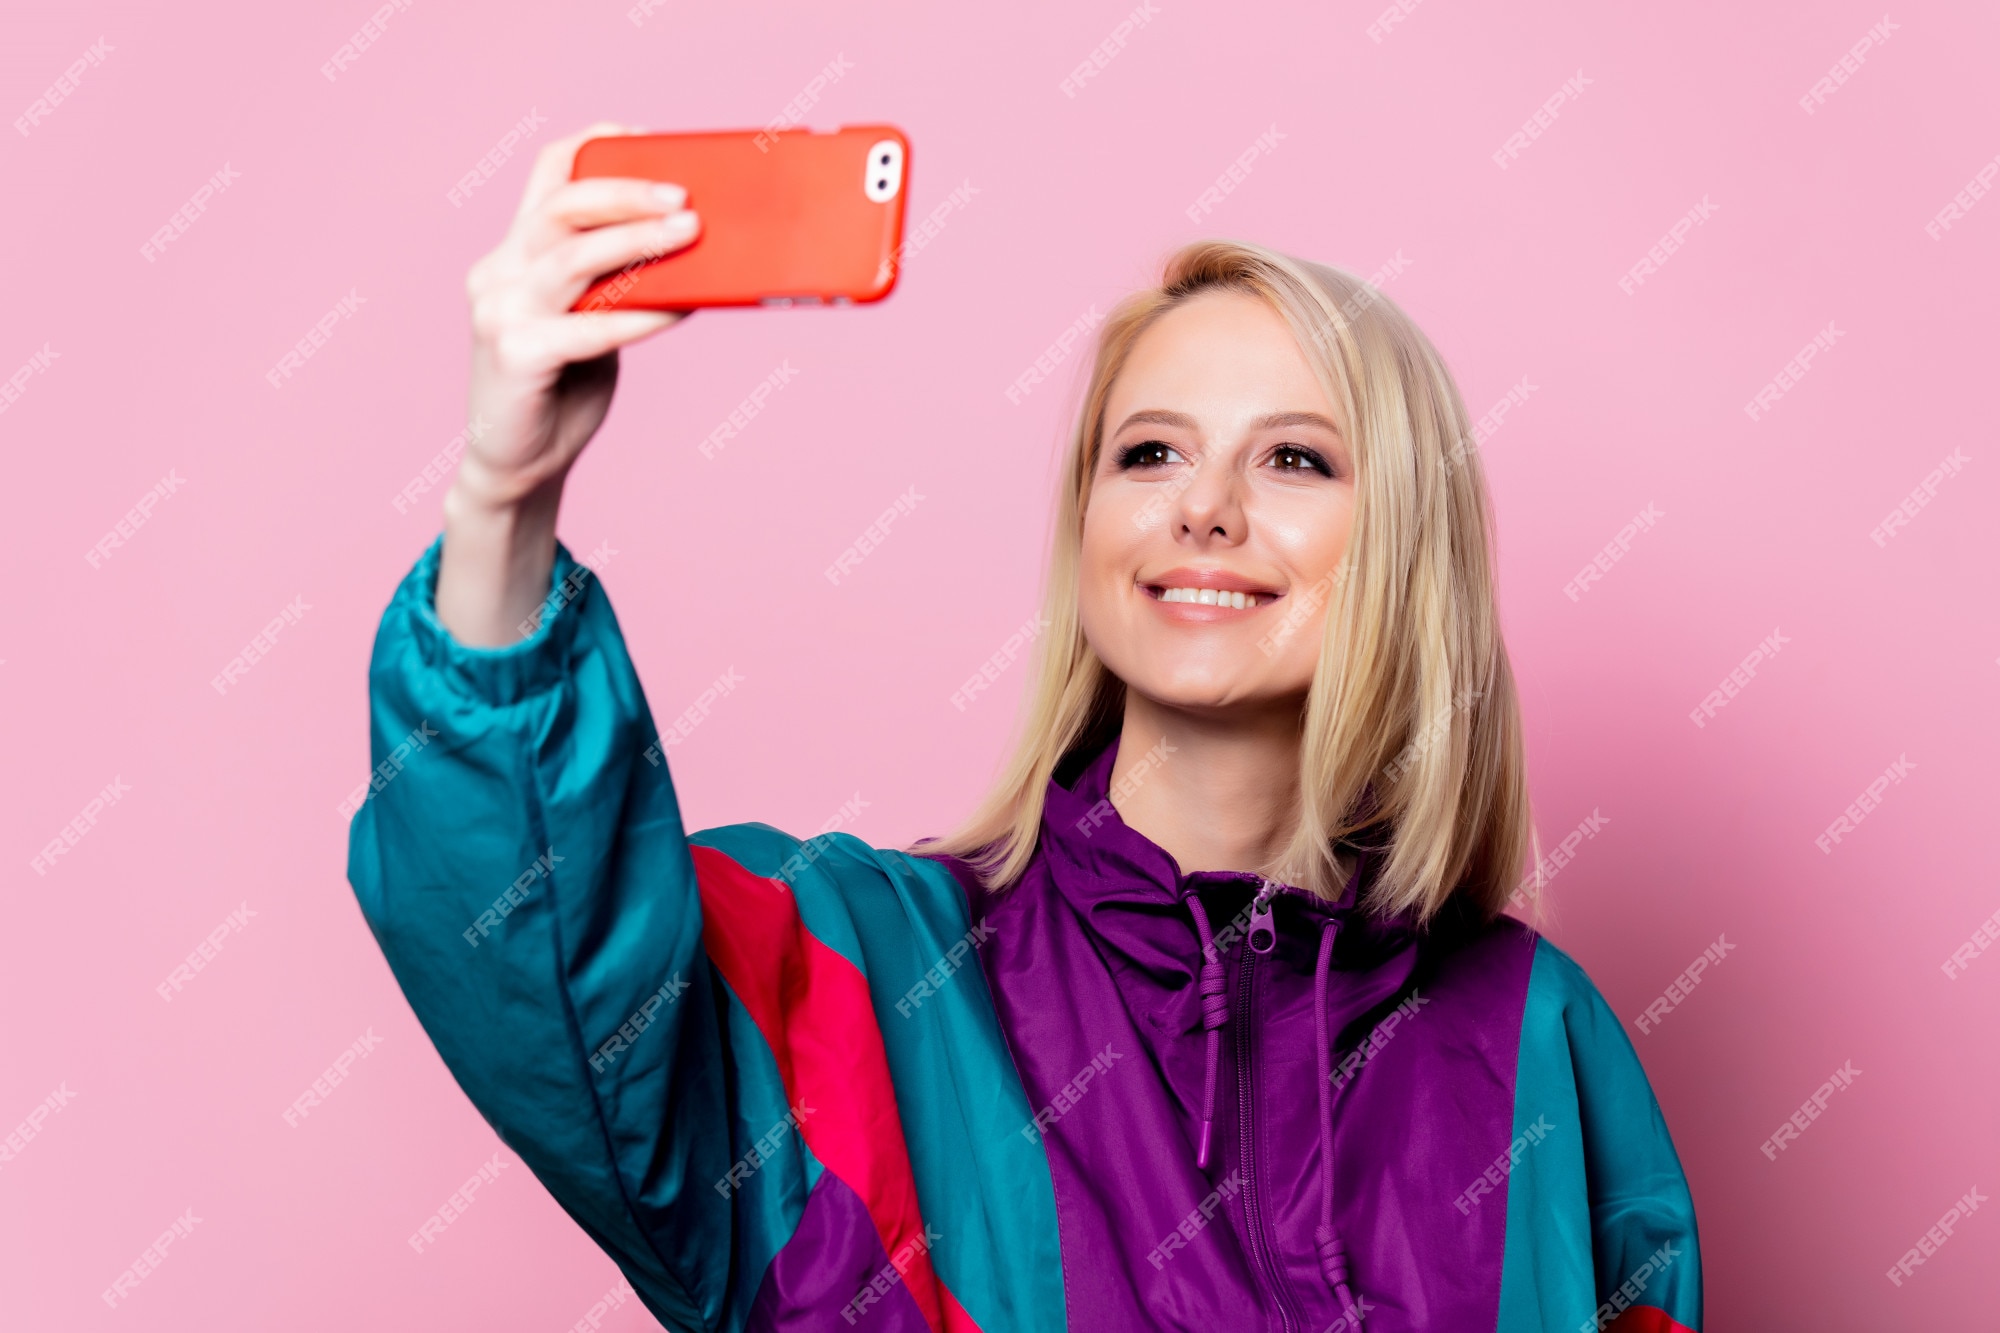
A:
(1242, 601)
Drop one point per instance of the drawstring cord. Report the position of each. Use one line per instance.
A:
(1332, 1252)
(1215, 1013)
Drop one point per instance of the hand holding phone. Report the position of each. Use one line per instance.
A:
(793, 217)
(542, 378)
(618, 235)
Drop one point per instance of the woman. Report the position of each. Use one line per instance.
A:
(1206, 1019)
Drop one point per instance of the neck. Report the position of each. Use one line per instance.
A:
(1217, 793)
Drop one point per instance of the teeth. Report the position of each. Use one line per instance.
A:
(1209, 597)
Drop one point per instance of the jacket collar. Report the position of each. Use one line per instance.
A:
(1099, 860)
(1130, 892)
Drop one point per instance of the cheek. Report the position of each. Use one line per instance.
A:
(1296, 654)
(1106, 558)
(1108, 552)
(1310, 539)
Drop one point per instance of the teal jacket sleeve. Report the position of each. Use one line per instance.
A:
(520, 859)
(1600, 1223)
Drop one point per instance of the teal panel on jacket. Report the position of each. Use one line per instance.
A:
(523, 865)
(771, 1197)
(1598, 1212)
(979, 1180)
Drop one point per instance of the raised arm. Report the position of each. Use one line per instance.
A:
(706, 1048)
(519, 857)
(542, 379)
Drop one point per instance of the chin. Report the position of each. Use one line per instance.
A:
(1196, 691)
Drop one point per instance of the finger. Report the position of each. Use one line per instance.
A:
(550, 343)
(554, 281)
(595, 202)
(554, 162)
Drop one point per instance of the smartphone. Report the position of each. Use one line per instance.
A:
(795, 217)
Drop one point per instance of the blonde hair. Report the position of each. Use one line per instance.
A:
(1411, 728)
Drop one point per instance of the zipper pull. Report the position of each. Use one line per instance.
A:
(1263, 934)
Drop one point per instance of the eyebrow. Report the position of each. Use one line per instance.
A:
(1158, 416)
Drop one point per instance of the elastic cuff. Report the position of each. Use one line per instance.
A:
(496, 676)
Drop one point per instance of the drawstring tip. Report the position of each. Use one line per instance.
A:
(1201, 1153)
(1333, 1267)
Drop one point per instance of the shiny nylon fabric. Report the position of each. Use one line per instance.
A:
(1449, 1044)
(1052, 1192)
(943, 1110)
(1095, 950)
(542, 746)
(538, 747)
(1582, 1103)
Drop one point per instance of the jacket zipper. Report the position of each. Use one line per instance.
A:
(1268, 1275)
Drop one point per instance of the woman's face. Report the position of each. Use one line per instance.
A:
(1219, 512)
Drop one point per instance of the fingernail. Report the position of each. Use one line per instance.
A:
(680, 222)
(673, 196)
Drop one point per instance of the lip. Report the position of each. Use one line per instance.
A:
(1221, 580)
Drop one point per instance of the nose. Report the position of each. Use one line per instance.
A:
(1210, 511)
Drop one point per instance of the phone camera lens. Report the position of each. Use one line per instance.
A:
(881, 185)
(885, 159)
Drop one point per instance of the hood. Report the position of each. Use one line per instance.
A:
(1134, 895)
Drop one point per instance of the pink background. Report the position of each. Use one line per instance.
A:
(1893, 650)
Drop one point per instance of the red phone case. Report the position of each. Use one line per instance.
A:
(786, 218)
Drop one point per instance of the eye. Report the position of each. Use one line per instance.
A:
(1150, 453)
(1298, 458)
